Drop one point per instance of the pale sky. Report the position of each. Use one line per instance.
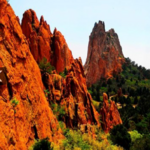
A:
(75, 19)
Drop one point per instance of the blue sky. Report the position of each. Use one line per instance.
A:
(76, 18)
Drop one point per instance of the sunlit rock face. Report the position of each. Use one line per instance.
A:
(38, 35)
(104, 56)
(62, 56)
(24, 111)
(109, 114)
(45, 44)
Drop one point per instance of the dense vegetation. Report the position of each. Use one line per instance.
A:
(76, 140)
(131, 92)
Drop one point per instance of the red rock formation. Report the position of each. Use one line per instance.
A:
(109, 114)
(45, 44)
(71, 93)
(62, 56)
(38, 35)
(104, 56)
(32, 117)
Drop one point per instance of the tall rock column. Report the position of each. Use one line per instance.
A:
(38, 35)
(109, 114)
(104, 56)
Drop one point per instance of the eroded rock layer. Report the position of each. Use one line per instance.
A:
(45, 44)
(72, 95)
(104, 56)
(109, 114)
(24, 111)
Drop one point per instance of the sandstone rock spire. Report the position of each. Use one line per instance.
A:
(104, 57)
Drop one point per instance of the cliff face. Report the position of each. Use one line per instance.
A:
(109, 114)
(24, 111)
(45, 44)
(104, 56)
(71, 94)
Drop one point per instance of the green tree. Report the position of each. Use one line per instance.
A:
(58, 110)
(64, 73)
(43, 144)
(135, 135)
(120, 136)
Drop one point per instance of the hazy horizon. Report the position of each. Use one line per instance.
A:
(75, 20)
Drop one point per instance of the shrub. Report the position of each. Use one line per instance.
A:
(135, 135)
(120, 136)
(58, 110)
(74, 140)
(64, 73)
(14, 102)
(43, 144)
(46, 92)
(62, 125)
(45, 66)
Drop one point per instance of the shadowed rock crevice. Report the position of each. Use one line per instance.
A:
(35, 132)
(10, 90)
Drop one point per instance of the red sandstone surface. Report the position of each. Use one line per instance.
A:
(109, 114)
(32, 117)
(45, 44)
(71, 93)
(104, 56)
(38, 35)
(62, 56)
